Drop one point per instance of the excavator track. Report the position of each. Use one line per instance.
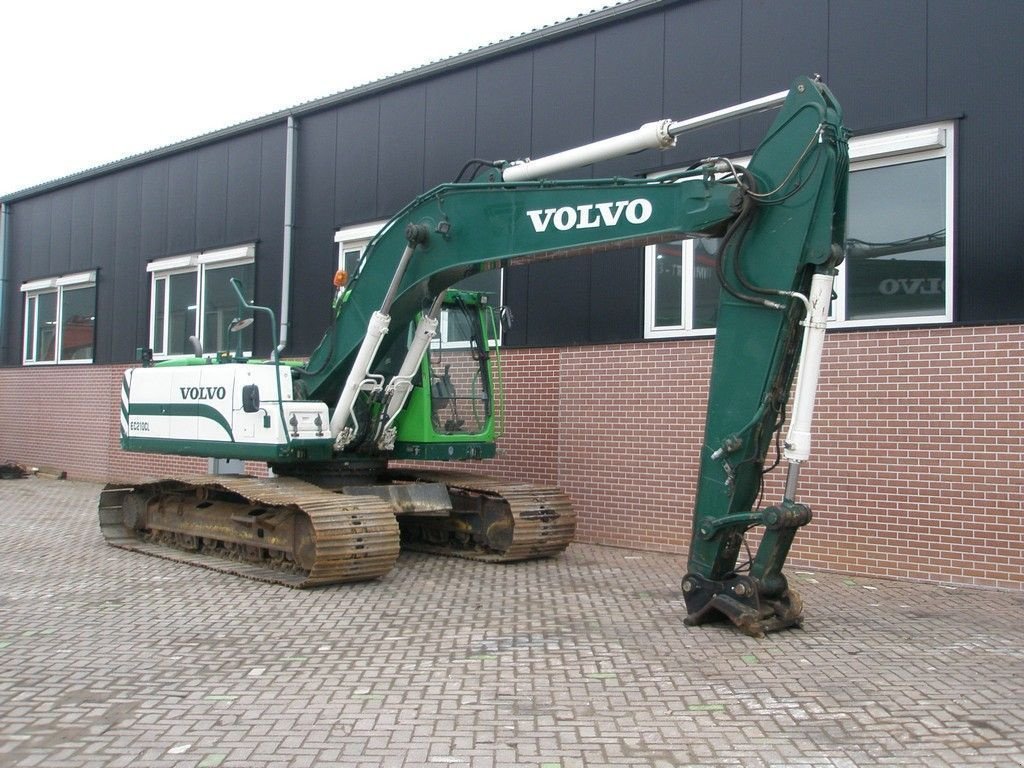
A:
(278, 530)
(493, 520)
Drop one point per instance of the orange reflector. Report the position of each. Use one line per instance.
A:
(340, 278)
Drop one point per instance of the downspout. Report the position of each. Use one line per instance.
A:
(291, 144)
(4, 212)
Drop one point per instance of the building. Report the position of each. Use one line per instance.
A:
(919, 471)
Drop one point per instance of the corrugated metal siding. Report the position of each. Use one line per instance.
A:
(890, 63)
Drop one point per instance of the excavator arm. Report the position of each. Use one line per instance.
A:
(782, 223)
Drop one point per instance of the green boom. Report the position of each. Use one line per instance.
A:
(783, 221)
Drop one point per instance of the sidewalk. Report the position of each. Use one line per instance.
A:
(109, 658)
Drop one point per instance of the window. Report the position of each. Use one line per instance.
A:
(60, 319)
(191, 295)
(899, 249)
(352, 243)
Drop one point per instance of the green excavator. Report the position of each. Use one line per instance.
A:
(380, 388)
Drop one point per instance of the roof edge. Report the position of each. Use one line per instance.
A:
(529, 39)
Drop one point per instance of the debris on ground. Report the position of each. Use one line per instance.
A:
(13, 471)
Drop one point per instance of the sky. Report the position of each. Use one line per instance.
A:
(88, 83)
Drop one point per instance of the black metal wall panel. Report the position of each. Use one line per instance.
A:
(211, 195)
(975, 72)
(557, 312)
(780, 40)
(60, 232)
(358, 153)
(104, 242)
(40, 220)
(126, 320)
(400, 165)
(877, 61)
(242, 218)
(313, 254)
(628, 89)
(616, 296)
(702, 73)
(181, 203)
(449, 126)
(20, 231)
(155, 184)
(504, 108)
(563, 96)
(81, 228)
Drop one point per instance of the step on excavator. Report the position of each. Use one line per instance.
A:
(344, 432)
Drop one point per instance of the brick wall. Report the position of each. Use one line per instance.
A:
(918, 470)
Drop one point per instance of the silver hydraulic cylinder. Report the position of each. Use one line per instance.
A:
(797, 447)
(660, 134)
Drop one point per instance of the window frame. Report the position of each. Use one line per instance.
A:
(56, 286)
(876, 150)
(198, 263)
(357, 237)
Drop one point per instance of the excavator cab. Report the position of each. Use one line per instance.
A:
(452, 412)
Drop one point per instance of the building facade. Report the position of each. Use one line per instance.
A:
(918, 470)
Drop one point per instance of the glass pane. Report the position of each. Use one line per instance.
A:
(896, 241)
(668, 285)
(460, 402)
(181, 309)
(159, 313)
(30, 329)
(220, 308)
(46, 327)
(488, 283)
(705, 283)
(77, 323)
(350, 262)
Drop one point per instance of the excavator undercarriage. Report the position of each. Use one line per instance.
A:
(291, 532)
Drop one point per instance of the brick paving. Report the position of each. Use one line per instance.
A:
(109, 658)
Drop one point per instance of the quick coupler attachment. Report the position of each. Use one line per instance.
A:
(758, 601)
(741, 600)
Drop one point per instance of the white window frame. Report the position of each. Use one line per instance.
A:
(936, 140)
(357, 237)
(198, 263)
(32, 290)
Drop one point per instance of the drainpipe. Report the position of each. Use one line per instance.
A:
(5, 210)
(291, 145)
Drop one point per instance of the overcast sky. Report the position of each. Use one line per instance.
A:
(87, 83)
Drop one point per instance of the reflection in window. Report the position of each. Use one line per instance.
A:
(668, 281)
(685, 284)
(78, 323)
(181, 312)
(220, 303)
(192, 296)
(896, 241)
(60, 319)
(898, 252)
(46, 328)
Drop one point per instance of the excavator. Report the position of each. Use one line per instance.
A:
(345, 433)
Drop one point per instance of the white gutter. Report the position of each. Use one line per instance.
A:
(291, 145)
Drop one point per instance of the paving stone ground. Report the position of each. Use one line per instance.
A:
(110, 658)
